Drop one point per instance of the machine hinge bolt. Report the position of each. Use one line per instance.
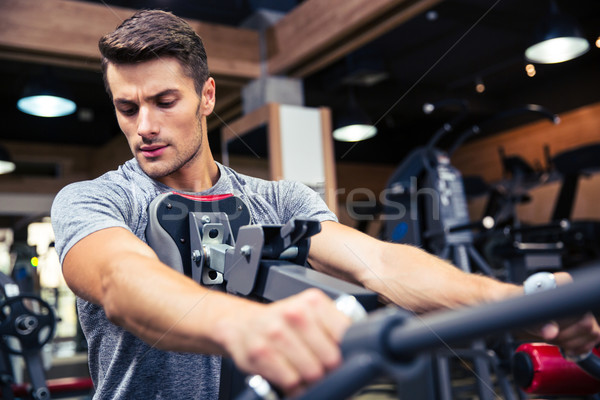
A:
(246, 250)
(196, 256)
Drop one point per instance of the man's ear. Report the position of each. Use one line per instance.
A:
(208, 97)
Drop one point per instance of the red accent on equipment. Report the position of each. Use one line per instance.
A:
(554, 375)
(214, 197)
(57, 386)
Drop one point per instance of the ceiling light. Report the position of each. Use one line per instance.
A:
(354, 125)
(557, 50)
(530, 69)
(354, 133)
(431, 15)
(45, 97)
(6, 164)
(479, 85)
(46, 105)
(557, 39)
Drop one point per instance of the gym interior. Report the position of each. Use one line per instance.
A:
(480, 143)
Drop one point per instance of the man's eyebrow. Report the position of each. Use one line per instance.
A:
(165, 92)
(122, 101)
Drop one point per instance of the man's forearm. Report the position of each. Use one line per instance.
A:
(421, 282)
(403, 274)
(166, 309)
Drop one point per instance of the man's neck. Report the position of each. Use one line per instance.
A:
(194, 178)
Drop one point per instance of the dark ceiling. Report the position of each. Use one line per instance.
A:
(438, 55)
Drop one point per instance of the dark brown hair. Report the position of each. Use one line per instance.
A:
(151, 34)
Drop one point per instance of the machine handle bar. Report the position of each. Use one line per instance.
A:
(421, 334)
(416, 335)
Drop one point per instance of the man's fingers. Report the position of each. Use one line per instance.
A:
(562, 278)
(279, 370)
(299, 340)
(320, 326)
(301, 351)
(331, 320)
(575, 336)
(278, 355)
(550, 331)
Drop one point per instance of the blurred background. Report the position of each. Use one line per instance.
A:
(378, 62)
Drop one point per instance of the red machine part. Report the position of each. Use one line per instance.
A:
(58, 387)
(540, 369)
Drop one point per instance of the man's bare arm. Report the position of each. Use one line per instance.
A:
(403, 274)
(291, 343)
(421, 282)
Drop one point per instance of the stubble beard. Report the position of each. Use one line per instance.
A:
(183, 158)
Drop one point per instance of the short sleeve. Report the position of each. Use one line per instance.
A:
(298, 200)
(82, 208)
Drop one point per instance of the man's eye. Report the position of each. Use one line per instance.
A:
(166, 104)
(128, 111)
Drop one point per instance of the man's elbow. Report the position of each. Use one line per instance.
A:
(111, 297)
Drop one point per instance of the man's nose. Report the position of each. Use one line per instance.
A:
(147, 122)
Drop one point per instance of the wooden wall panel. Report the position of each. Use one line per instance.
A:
(361, 180)
(110, 156)
(72, 162)
(63, 32)
(319, 32)
(577, 128)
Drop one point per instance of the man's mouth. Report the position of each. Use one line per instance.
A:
(152, 151)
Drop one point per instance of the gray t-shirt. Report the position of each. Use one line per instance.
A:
(121, 365)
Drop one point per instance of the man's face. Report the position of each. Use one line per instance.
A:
(160, 114)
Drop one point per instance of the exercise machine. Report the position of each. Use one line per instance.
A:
(27, 323)
(425, 201)
(580, 237)
(210, 239)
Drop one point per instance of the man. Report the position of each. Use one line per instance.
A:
(154, 333)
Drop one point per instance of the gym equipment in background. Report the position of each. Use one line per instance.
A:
(580, 237)
(27, 323)
(516, 248)
(425, 204)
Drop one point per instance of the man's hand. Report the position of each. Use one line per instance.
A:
(291, 343)
(576, 336)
